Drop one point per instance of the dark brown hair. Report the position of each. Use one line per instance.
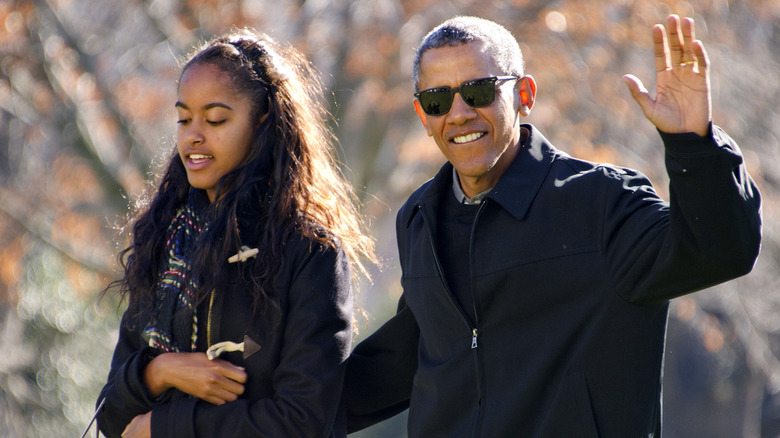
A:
(289, 179)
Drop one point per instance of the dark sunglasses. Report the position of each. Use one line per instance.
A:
(476, 93)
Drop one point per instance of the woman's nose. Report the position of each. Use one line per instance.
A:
(193, 133)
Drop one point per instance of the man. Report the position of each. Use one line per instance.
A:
(537, 286)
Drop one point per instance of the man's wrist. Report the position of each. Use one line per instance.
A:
(689, 143)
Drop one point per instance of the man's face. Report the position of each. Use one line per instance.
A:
(480, 142)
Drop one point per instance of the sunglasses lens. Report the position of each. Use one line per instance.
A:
(436, 102)
(478, 94)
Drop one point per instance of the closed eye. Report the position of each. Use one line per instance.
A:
(215, 122)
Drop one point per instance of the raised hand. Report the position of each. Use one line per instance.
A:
(215, 381)
(682, 101)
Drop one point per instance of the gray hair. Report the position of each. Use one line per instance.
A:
(498, 42)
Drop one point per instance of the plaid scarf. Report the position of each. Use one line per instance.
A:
(173, 326)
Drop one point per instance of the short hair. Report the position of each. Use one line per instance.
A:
(497, 41)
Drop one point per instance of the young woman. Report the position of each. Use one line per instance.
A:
(238, 274)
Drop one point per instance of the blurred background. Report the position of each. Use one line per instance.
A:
(86, 114)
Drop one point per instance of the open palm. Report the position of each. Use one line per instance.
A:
(682, 100)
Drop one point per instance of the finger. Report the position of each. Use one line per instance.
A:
(219, 380)
(660, 48)
(676, 44)
(238, 376)
(638, 92)
(216, 380)
(232, 386)
(231, 371)
(220, 396)
(689, 37)
(702, 59)
(215, 400)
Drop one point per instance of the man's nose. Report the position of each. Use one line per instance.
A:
(460, 109)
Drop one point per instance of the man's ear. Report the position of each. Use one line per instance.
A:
(421, 114)
(526, 87)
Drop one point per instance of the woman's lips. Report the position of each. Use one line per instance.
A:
(198, 161)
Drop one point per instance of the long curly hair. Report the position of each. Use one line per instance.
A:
(289, 178)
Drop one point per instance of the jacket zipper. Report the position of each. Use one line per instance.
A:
(474, 300)
(208, 320)
(474, 330)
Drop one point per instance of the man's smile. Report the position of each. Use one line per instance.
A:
(468, 137)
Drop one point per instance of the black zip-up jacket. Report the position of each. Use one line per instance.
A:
(293, 381)
(572, 265)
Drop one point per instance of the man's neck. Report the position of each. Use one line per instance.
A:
(472, 188)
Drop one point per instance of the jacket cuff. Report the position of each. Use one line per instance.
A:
(174, 419)
(692, 144)
(130, 378)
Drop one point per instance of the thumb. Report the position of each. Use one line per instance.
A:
(638, 92)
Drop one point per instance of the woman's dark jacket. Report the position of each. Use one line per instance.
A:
(572, 265)
(293, 381)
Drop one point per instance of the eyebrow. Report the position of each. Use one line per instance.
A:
(205, 107)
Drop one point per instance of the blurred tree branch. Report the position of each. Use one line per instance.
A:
(84, 90)
(88, 106)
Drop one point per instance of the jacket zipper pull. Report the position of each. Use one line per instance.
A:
(474, 338)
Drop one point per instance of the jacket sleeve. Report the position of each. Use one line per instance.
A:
(380, 372)
(317, 337)
(381, 369)
(708, 233)
(125, 394)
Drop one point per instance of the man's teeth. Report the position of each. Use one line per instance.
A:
(468, 137)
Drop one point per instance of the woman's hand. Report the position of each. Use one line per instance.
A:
(140, 427)
(215, 381)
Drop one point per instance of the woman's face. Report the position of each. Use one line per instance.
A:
(215, 126)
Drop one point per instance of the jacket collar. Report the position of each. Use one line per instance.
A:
(517, 187)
